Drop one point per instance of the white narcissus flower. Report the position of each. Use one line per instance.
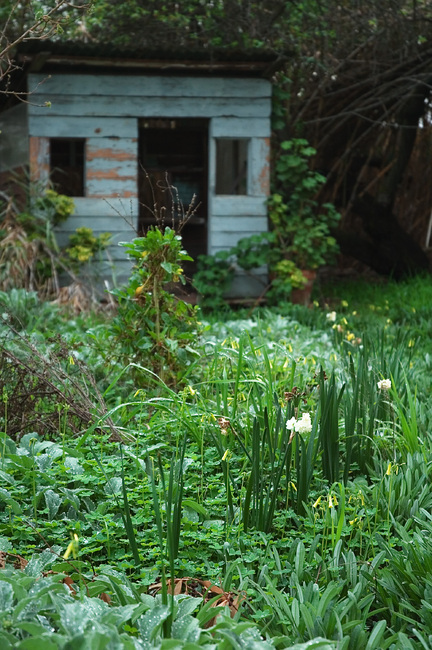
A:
(291, 424)
(384, 384)
(304, 425)
(331, 316)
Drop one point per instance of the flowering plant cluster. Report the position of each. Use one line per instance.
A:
(341, 326)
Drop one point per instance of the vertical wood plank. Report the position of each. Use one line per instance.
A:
(259, 157)
(211, 184)
(39, 159)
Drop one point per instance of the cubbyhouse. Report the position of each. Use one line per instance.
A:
(113, 132)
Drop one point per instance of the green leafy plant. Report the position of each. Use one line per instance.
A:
(308, 497)
(29, 253)
(153, 325)
(302, 227)
(30, 257)
(84, 245)
(301, 236)
(213, 278)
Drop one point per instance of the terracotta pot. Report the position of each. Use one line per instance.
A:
(303, 296)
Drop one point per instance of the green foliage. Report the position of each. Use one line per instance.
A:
(30, 257)
(196, 24)
(43, 213)
(301, 236)
(37, 20)
(42, 612)
(24, 310)
(84, 245)
(153, 326)
(303, 229)
(213, 278)
(322, 523)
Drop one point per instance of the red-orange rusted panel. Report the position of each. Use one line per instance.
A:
(110, 154)
(110, 174)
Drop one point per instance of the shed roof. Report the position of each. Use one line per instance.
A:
(49, 56)
(102, 58)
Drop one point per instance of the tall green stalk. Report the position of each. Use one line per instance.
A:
(330, 399)
(169, 533)
(270, 459)
(305, 459)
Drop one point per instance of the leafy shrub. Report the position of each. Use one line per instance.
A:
(153, 326)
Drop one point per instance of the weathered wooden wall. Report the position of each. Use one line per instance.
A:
(13, 138)
(105, 110)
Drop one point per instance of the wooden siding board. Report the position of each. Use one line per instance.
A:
(99, 224)
(119, 208)
(171, 107)
(107, 167)
(76, 127)
(119, 149)
(111, 186)
(236, 127)
(147, 86)
(102, 168)
(245, 286)
(111, 167)
(14, 145)
(239, 205)
(238, 223)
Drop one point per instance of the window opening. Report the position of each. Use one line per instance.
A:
(67, 157)
(231, 166)
(173, 154)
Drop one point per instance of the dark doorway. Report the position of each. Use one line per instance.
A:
(173, 158)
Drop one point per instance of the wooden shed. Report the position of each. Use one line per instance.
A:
(113, 131)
